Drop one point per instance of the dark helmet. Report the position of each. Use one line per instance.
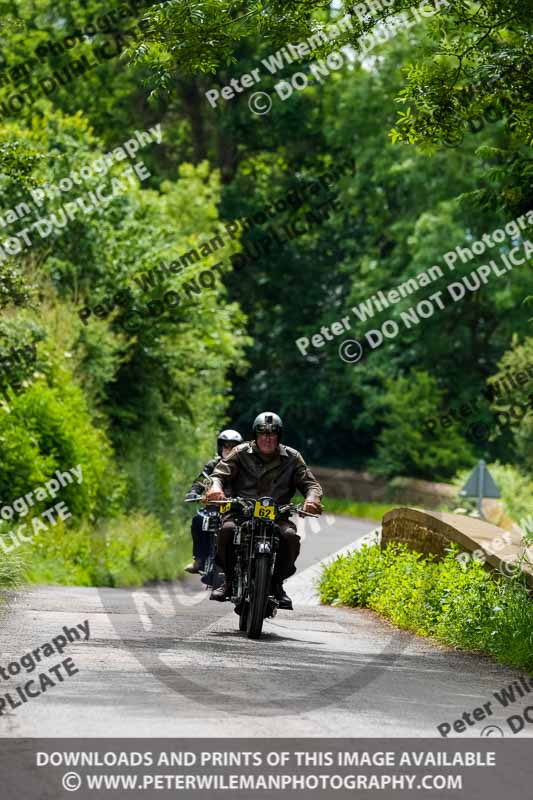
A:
(268, 422)
(228, 437)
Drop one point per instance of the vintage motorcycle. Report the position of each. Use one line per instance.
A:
(256, 544)
(211, 520)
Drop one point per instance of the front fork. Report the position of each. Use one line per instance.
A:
(244, 571)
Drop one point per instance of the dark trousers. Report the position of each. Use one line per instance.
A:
(200, 539)
(289, 549)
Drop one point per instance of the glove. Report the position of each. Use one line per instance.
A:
(312, 507)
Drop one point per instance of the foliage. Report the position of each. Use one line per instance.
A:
(477, 68)
(399, 212)
(405, 446)
(126, 551)
(13, 288)
(463, 606)
(150, 382)
(517, 362)
(515, 486)
(351, 508)
(12, 568)
(200, 37)
(94, 393)
(45, 429)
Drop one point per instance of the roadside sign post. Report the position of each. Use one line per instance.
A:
(480, 484)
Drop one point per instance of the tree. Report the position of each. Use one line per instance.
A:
(512, 386)
(407, 445)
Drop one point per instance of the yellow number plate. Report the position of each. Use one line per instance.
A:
(223, 508)
(264, 512)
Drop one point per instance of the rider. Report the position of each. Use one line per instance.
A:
(226, 441)
(264, 467)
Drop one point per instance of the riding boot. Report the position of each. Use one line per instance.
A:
(223, 592)
(196, 567)
(284, 601)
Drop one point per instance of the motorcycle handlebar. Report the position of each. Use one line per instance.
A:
(293, 509)
(290, 508)
(247, 502)
(243, 501)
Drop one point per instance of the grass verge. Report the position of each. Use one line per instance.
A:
(124, 551)
(351, 508)
(463, 606)
(12, 567)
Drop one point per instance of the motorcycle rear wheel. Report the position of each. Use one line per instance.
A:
(258, 598)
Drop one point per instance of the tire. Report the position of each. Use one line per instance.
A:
(243, 617)
(214, 576)
(259, 597)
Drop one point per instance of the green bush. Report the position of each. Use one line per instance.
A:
(137, 405)
(12, 566)
(45, 429)
(352, 508)
(517, 361)
(516, 492)
(464, 606)
(352, 580)
(405, 445)
(125, 551)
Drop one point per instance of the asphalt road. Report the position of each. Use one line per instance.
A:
(164, 661)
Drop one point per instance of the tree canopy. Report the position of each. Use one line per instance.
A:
(174, 306)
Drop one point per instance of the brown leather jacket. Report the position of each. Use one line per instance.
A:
(250, 475)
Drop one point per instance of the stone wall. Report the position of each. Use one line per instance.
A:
(364, 487)
(432, 532)
(416, 535)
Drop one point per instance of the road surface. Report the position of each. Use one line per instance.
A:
(164, 661)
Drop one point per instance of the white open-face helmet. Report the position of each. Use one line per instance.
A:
(228, 438)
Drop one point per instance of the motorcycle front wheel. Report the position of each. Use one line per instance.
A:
(258, 597)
